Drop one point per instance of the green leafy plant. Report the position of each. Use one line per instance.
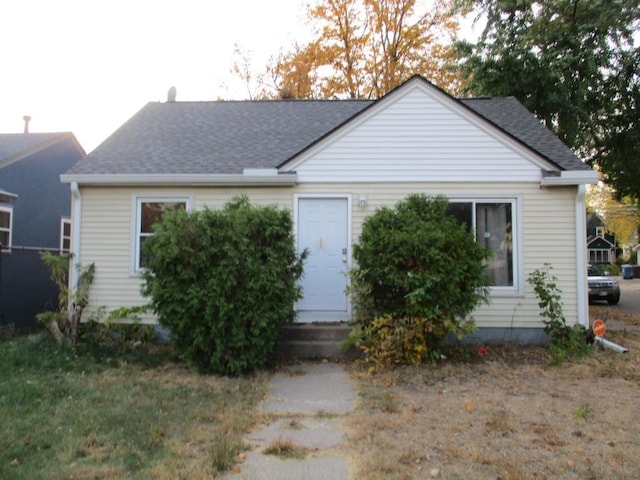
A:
(419, 275)
(583, 412)
(564, 341)
(224, 282)
(63, 323)
(126, 324)
(121, 325)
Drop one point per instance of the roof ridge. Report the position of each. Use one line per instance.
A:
(45, 140)
(266, 100)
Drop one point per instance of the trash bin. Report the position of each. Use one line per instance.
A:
(627, 272)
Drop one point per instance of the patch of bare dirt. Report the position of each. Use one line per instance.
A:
(501, 413)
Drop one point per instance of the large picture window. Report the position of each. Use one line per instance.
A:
(6, 219)
(148, 212)
(492, 224)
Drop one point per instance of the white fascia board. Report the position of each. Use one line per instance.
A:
(260, 172)
(570, 177)
(253, 179)
(6, 197)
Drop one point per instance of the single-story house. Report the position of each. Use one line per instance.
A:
(332, 163)
(35, 216)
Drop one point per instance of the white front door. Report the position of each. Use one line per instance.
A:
(323, 231)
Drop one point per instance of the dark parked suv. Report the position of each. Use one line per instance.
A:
(603, 287)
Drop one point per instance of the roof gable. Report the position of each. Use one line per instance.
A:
(599, 243)
(420, 133)
(16, 146)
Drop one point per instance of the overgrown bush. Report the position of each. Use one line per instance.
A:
(419, 275)
(564, 341)
(224, 282)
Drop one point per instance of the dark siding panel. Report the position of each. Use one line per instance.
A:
(25, 288)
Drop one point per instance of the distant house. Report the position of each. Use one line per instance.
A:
(601, 247)
(332, 163)
(34, 217)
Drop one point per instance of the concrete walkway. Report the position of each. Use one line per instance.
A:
(303, 410)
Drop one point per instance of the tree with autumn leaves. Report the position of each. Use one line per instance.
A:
(362, 49)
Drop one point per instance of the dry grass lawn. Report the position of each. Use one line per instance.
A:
(505, 415)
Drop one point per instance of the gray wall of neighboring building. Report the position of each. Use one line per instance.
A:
(25, 286)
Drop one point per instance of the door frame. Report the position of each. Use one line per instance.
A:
(311, 316)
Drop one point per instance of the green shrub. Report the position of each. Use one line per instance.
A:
(224, 282)
(564, 341)
(419, 275)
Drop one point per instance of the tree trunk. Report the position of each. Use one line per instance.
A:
(55, 331)
(74, 314)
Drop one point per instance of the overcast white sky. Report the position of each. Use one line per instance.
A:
(86, 66)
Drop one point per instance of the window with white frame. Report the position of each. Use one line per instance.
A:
(150, 210)
(599, 256)
(6, 221)
(65, 235)
(492, 224)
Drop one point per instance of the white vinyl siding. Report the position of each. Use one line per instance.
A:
(548, 235)
(106, 232)
(419, 137)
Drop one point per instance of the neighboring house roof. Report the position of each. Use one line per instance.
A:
(599, 243)
(226, 137)
(16, 146)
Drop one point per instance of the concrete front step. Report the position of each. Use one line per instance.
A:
(316, 331)
(314, 340)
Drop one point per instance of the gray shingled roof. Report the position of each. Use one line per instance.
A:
(215, 137)
(16, 144)
(227, 137)
(511, 116)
